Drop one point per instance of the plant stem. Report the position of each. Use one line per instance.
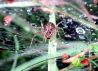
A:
(52, 47)
(16, 53)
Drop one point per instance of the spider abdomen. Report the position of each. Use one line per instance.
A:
(49, 30)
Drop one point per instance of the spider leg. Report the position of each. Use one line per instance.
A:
(58, 31)
(33, 38)
(37, 27)
(44, 40)
(59, 28)
(58, 34)
(42, 27)
(59, 23)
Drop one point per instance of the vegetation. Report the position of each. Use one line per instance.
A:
(26, 45)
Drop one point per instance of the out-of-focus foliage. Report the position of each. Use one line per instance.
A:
(76, 26)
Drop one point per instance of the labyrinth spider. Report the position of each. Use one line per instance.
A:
(48, 31)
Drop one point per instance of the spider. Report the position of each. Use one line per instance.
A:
(48, 31)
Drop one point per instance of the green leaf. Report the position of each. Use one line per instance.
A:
(78, 61)
(95, 48)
